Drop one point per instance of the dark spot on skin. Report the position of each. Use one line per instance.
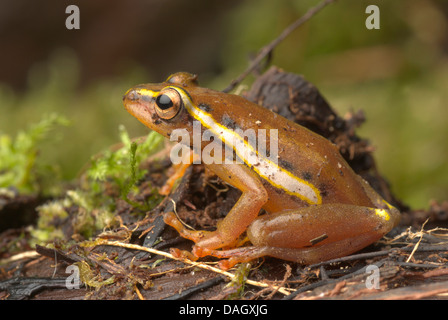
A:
(306, 175)
(285, 164)
(205, 107)
(228, 122)
(379, 226)
(155, 119)
(279, 191)
(323, 189)
(185, 117)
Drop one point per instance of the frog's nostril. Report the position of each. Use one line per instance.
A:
(131, 95)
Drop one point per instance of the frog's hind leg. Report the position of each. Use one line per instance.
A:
(304, 256)
(311, 234)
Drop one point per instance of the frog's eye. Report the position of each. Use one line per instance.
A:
(168, 103)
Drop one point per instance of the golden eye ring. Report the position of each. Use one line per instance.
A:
(168, 103)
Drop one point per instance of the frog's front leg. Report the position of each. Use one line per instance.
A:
(179, 171)
(228, 231)
(312, 234)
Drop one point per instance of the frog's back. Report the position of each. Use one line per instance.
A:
(308, 169)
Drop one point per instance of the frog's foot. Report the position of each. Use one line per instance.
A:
(172, 220)
(230, 257)
(183, 254)
(207, 240)
(233, 256)
(238, 255)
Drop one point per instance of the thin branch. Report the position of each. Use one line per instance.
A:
(266, 50)
(23, 255)
(99, 242)
(418, 242)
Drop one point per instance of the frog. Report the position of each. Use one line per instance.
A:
(305, 204)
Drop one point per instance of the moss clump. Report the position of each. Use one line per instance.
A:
(111, 176)
(20, 167)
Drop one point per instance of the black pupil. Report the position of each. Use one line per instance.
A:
(164, 102)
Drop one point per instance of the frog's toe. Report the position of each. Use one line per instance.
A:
(183, 254)
(199, 251)
(226, 264)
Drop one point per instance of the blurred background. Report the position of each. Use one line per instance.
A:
(398, 74)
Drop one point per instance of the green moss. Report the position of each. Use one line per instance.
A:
(122, 167)
(19, 162)
(95, 203)
(239, 281)
(46, 229)
(88, 277)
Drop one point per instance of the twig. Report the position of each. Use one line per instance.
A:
(139, 294)
(193, 263)
(309, 287)
(418, 242)
(353, 257)
(175, 212)
(20, 256)
(328, 281)
(266, 50)
(285, 277)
